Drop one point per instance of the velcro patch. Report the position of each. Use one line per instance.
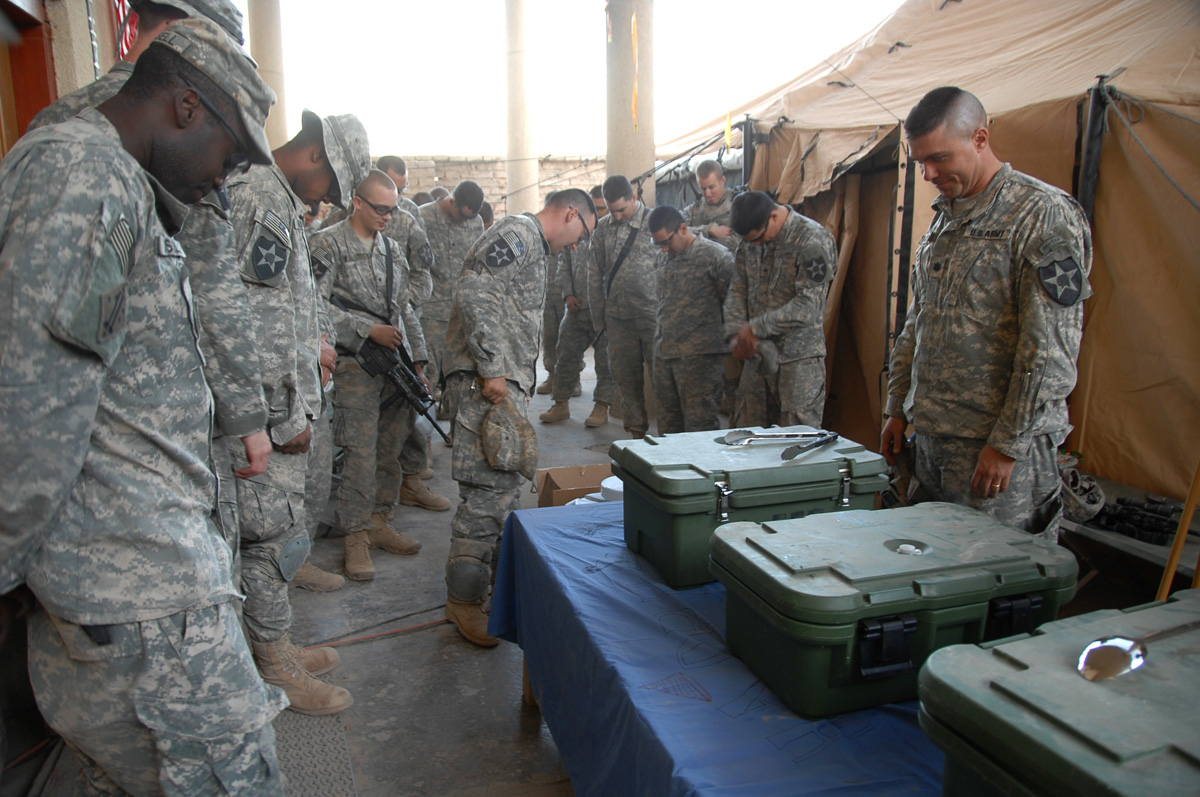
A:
(169, 247)
(272, 222)
(121, 241)
(322, 261)
(112, 313)
(268, 257)
(990, 235)
(816, 269)
(505, 250)
(426, 254)
(1063, 281)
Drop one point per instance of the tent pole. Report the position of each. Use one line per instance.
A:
(748, 145)
(1089, 176)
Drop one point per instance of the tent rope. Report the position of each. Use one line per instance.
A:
(1129, 101)
(1121, 96)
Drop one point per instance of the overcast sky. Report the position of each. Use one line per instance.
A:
(427, 78)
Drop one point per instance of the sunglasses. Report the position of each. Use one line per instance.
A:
(665, 243)
(237, 162)
(382, 210)
(587, 235)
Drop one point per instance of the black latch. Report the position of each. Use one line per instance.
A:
(885, 645)
(1012, 615)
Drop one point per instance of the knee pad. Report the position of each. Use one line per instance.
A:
(468, 570)
(285, 553)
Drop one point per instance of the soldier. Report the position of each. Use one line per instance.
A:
(709, 214)
(322, 163)
(621, 293)
(108, 493)
(491, 356)
(688, 345)
(775, 312)
(452, 224)
(986, 359)
(364, 277)
(395, 167)
(230, 360)
(487, 214)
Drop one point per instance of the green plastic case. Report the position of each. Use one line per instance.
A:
(837, 612)
(1016, 718)
(680, 487)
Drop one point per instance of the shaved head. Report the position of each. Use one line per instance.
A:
(959, 111)
(376, 179)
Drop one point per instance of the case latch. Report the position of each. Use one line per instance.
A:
(844, 472)
(1012, 615)
(885, 645)
(723, 493)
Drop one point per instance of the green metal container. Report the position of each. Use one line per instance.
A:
(837, 612)
(1015, 717)
(680, 487)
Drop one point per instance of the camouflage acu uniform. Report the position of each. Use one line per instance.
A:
(369, 434)
(689, 344)
(626, 309)
(987, 354)
(98, 91)
(450, 242)
(576, 332)
(272, 253)
(780, 289)
(494, 331)
(552, 316)
(110, 523)
(700, 215)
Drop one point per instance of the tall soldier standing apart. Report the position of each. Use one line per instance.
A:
(709, 214)
(621, 292)
(775, 312)
(986, 359)
(136, 656)
(491, 357)
(326, 159)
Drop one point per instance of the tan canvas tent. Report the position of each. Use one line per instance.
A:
(829, 140)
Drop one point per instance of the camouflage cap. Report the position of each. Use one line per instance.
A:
(222, 12)
(204, 46)
(509, 441)
(346, 149)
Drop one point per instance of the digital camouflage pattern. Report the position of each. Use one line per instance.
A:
(450, 242)
(700, 215)
(552, 314)
(98, 91)
(989, 346)
(780, 289)
(170, 706)
(576, 332)
(494, 331)
(988, 349)
(369, 434)
(408, 231)
(689, 344)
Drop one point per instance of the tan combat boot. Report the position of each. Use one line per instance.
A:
(471, 622)
(599, 416)
(561, 411)
(545, 387)
(413, 492)
(311, 577)
(358, 557)
(637, 434)
(425, 475)
(382, 535)
(578, 391)
(280, 666)
(317, 661)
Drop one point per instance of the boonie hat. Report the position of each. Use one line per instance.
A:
(346, 149)
(509, 442)
(203, 45)
(222, 12)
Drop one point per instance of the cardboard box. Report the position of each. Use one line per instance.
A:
(560, 486)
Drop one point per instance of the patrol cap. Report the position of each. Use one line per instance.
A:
(346, 149)
(509, 442)
(222, 12)
(203, 45)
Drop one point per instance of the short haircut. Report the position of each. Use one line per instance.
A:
(422, 198)
(597, 192)
(665, 217)
(392, 163)
(617, 187)
(377, 178)
(439, 192)
(750, 211)
(487, 213)
(571, 198)
(161, 69)
(960, 110)
(469, 195)
(708, 168)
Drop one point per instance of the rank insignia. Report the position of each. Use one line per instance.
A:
(1063, 281)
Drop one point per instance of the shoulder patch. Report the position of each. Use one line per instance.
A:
(268, 258)
(112, 313)
(426, 254)
(505, 250)
(322, 261)
(276, 225)
(817, 269)
(1062, 280)
(120, 240)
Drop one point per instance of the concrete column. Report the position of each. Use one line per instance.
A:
(72, 43)
(266, 47)
(521, 167)
(630, 149)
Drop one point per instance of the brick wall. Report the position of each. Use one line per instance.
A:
(427, 171)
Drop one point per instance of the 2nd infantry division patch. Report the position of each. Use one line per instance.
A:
(505, 250)
(816, 269)
(1063, 281)
(268, 257)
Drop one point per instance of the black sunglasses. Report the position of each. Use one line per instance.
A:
(382, 210)
(587, 235)
(239, 161)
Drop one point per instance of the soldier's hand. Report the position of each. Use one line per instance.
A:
(299, 443)
(993, 472)
(719, 230)
(495, 389)
(258, 453)
(745, 344)
(573, 305)
(386, 335)
(328, 354)
(420, 369)
(891, 440)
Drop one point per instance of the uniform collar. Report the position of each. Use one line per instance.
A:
(537, 223)
(973, 206)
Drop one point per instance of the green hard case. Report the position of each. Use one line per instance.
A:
(834, 616)
(680, 487)
(1016, 718)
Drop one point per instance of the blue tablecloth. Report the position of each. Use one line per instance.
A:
(644, 698)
